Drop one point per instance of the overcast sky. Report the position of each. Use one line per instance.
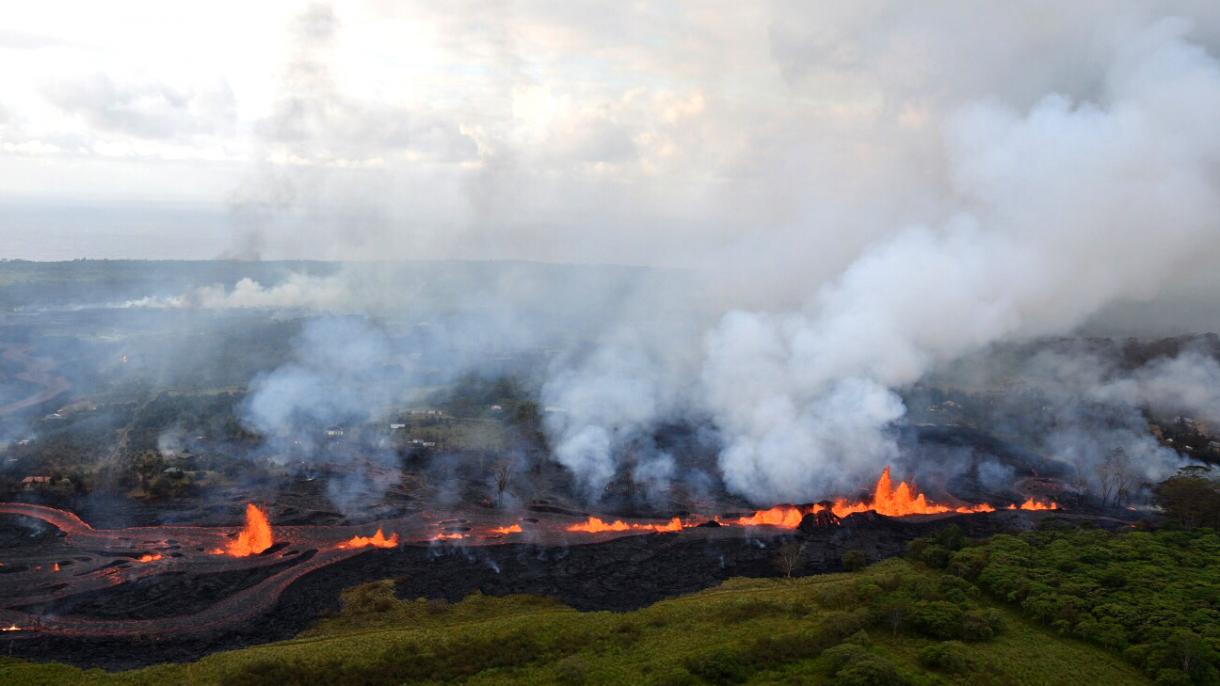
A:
(642, 133)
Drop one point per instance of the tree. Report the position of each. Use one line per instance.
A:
(1191, 498)
(1116, 477)
(504, 477)
(789, 558)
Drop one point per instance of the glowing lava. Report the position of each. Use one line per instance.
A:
(596, 525)
(149, 557)
(506, 530)
(903, 499)
(55, 568)
(377, 540)
(254, 538)
(890, 500)
(786, 516)
(444, 536)
(1032, 504)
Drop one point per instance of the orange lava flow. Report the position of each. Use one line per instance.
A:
(55, 568)
(596, 525)
(377, 540)
(506, 530)
(1032, 504)
(890, 500)
(903, 499)
(785, 516)
(254, 538)
(149, 557)
(443, 536)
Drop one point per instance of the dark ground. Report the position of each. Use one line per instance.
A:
(619, 575)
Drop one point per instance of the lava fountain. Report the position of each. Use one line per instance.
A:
(377, 540)
(888, 499)
(596, 525)
(254, 538)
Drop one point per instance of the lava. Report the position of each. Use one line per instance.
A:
(55, 568)
(785, 516)
(890, 500)
(904, 499)
(506, 530)
(1032, 504)
(254, 538)
(149, 557)
(377, 540)
(596, 525)
(445, 536)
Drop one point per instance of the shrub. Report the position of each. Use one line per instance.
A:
(571, 671)
(948, 656)
(968, 563)
(854, 560)
(836, 597)
(937, 619)
(627, 634)
(371, 598)
(774, 650)
(843, 654)
(267, 672)
(720, 667)
(745, 610)
(673, 676)
(853, 665)
(1173, 677)
(976, 627)
(935, 556)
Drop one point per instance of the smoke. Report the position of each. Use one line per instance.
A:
(949, 196)
(343, 370)
(296, 291)
(1188, 384)
(1057, 206)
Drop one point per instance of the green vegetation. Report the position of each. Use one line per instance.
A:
(1153, 597)
(896, 622)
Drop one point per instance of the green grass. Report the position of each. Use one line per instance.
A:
(755, 631)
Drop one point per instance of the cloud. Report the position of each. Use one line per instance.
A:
(144, 109)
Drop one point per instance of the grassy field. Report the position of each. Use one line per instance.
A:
(813, 630)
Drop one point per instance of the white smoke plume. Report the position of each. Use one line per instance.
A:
(1059, 209)
(900, 194)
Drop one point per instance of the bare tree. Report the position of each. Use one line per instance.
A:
(1116, 477)
(789, 558)
(504, 477)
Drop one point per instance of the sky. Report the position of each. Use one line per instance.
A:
(676, 134)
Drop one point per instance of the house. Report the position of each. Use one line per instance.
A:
(334, 431)
(395, 426)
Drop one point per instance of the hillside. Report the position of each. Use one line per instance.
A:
(843, 629)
